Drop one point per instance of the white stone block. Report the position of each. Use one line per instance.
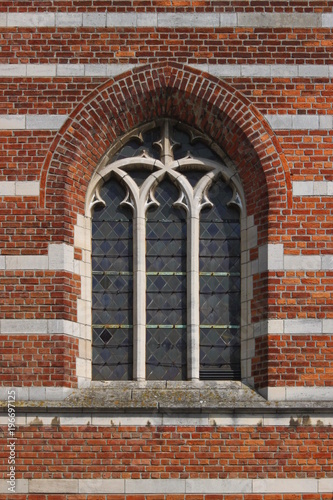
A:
(325, 485)
(53, 486)
(319, 188)
(70, 19)
(302, 262)
(279, 122)
(45, 122)
(303, 188)
(284, 70)
(146, 19)
(155, 486)
(330, 188)
(41, 70)
(275, 256)
(228, 20)
(94, 19)
(26, 262)
(101, 486)
(273, 393)
(218, 486)
(82, 238)
(83, 368)
(29, 19)
(328, 326)
(327, 262)
(24, 326)
(171, 20)
(13, 70)
(95, 70)
(86, 288)
(301, 485)
(224, 70)
(313, 70)
(255, 70)
(37, 393)
(70, 70)
(7, 188)
(309, 393)
(62, 326)
(2, 262)
(325, 122)
(118, 19)
(12, 122)
(302, 326)
(327, 22)
(3, 19)
(61, 256)
(21, 486)
(27, 188)
(300, 122)
(275, 326)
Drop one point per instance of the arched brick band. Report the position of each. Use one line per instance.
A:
(177, 91)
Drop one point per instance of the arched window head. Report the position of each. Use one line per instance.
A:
(166, 259)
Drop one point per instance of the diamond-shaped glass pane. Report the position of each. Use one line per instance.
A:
(219, 282)
(112, 286)
(166, 287)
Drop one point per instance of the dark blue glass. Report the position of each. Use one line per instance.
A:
(112, 286)
(220, 286)
(166, 287)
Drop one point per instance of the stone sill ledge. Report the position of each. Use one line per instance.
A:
(171, 397)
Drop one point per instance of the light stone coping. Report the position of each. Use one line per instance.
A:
(19, 188)
(167, 486)
(168, 20)
(36, 393)
(312, 188)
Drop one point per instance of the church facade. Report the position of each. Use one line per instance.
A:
(166, 250)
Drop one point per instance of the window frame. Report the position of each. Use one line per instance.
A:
(140, 200)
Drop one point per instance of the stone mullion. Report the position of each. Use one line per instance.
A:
(139, 295)
(193, 297)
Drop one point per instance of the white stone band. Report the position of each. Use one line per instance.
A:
(170, 486)
(219, 70)
(73, 417)
(55, 122)
(166, 20)
(60, 257)
(19, 188)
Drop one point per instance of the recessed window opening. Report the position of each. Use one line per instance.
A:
(166, 260)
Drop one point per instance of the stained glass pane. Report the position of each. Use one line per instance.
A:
(166, 287)
(220, 286)
(112, 287)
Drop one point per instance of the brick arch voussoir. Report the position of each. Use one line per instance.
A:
(139, 96)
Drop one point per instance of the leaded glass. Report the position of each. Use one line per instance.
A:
(219, 286)
(112, 286)
(166, 287)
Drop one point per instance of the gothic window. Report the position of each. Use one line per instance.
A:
(166, 260)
